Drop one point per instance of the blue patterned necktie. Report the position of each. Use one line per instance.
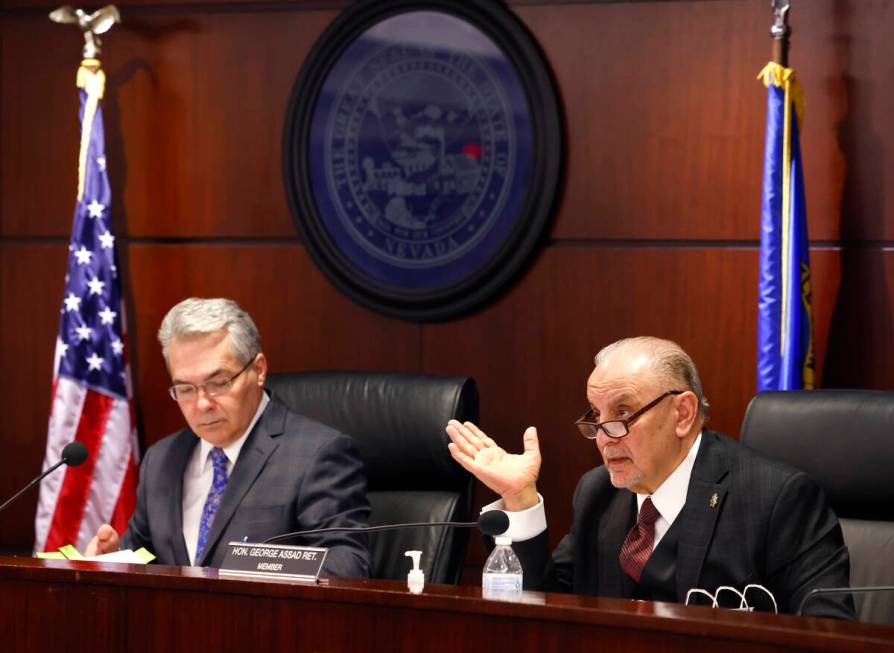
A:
(218, 485)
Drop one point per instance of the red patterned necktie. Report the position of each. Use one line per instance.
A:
(638, 545)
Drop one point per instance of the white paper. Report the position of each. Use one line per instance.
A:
(125, 555)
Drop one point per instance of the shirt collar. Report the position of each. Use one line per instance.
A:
(670, 496)
(232, 450)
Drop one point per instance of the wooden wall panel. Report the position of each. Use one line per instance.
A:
(204, 115)
(661, 134)
(665, 118)
(31, 280)
(847, 71)
(39, 127)
(194, 120)
(855, 327)
(679, 132)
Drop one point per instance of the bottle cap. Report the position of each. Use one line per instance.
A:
(503, 540)
(416, 577)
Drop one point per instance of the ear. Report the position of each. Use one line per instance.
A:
(261, 366)
(687, 413)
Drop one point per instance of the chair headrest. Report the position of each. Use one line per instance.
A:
(843, 439)
(397, 421)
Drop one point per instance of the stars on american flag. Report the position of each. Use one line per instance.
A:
(107, 315)
(95, 286)
(72, 302)
(83, 255)
(90, 347)
(61, 349)
(84, 332)
(95, 209)
(95, 362)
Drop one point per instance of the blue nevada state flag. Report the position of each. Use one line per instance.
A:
(785, 350)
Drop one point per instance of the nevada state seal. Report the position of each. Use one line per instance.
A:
(417, 158)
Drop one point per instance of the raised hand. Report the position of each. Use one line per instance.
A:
(512, 476)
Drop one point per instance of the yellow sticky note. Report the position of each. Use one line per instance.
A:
(49, 555)
(70, 552)
(144, 555)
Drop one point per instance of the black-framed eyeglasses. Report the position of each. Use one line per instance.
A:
(616, 428)
(186, 392)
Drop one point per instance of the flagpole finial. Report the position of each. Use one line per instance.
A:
(780, 26)
(780, 31)
(91, 25)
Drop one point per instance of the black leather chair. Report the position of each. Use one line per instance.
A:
(398, 423)
(843, 439)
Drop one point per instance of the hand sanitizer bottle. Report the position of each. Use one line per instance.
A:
(416, 577)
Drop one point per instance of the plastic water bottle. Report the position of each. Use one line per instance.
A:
(502, 575)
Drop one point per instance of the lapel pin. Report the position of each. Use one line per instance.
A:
(713, 502)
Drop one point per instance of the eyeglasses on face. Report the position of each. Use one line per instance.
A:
(186, 392)
(616, 428)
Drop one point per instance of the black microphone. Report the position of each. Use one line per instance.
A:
(73, 454)
(822, 591)
(492, 522)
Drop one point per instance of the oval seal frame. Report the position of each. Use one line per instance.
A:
(422, 153)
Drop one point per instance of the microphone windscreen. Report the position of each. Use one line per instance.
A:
(74, 453)
(493, 522)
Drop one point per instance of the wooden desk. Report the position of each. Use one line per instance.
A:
(83, 606)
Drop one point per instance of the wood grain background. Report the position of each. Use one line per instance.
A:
(656, 229)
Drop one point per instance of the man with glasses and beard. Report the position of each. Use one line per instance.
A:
(246, 468)
(674, 506)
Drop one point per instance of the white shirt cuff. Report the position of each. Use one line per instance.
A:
(524, 524)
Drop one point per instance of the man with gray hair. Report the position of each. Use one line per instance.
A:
(674, 506)
(246, 468)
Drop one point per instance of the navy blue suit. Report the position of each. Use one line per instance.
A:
(292, 474)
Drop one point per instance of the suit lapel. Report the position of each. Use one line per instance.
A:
(704, 502)
(618, 519)
(180, 455)
(258, 447)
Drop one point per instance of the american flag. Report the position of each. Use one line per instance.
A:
(91, 399)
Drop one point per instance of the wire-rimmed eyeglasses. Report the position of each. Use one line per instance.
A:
(616, 428)
(185, 392)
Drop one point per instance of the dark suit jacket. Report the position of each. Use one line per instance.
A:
(292, 474)
(770, 525)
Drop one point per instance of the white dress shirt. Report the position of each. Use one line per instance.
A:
(668, 499)
(199, 476)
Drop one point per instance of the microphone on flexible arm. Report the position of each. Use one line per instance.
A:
(831, 591)
(492, 522)
(73, 454)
